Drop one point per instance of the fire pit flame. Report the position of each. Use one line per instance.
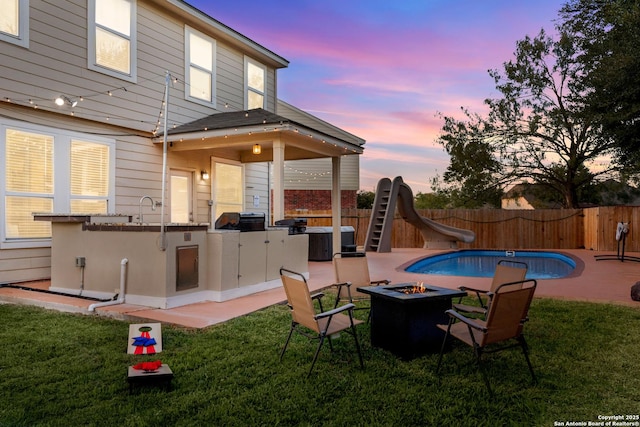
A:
(418, 288)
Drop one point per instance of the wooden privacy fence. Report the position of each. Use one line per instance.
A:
(592, 228)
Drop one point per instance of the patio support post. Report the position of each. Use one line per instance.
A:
(336, 205)
(278, 180)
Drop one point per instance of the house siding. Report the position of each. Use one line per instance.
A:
(19, 265)
(316, 174)
(59, 29)
(56, 63)
(256, 182)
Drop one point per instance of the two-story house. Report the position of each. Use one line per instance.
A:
(86, 90)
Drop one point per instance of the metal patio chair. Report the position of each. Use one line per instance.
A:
(505, 321)
(351, 272)
(322, 325)
(507, 271)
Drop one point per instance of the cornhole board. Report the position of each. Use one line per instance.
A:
(145, 338)
(160, 377)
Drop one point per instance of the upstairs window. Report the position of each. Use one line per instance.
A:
(14, 22)
(255, 84)
(200, 57)
(112, 37)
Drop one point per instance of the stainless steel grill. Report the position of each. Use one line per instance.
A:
(242, 221)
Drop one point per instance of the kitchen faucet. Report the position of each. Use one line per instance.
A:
(153, 207)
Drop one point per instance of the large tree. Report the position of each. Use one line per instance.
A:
(541, 129)
(607, 34)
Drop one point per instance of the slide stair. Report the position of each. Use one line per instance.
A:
(391, 194)
(381, 223)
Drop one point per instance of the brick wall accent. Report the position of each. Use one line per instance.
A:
(317, 199)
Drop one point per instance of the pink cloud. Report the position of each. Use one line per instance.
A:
(384, 70)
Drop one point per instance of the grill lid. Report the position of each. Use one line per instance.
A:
(243, 221)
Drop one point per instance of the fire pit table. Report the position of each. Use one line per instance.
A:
(404, 317)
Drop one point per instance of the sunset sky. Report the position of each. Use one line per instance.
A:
(383, 69)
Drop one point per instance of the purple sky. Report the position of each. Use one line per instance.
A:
(383, 69)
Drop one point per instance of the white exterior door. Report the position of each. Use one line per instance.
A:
(227, 188)
(181, 190)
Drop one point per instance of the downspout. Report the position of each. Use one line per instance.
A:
(123, 281)
(163, 237)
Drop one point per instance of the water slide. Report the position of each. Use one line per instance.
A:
(390, 194)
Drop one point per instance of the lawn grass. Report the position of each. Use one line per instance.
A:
(59, 369)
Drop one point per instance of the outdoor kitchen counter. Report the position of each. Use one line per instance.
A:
(194, 264)
(90, 254)
(249, 262)
(115, 222)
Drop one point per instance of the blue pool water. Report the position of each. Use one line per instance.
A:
(479, 263)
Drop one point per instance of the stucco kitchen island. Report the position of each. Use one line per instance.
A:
(91, 254)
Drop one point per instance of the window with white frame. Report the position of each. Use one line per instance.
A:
(200, 62)
(14, 22)
(89, 177)
(50, 171)
(29, 183)
(112, 37)
(255, 77)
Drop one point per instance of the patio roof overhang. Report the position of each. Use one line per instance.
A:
(233, 135)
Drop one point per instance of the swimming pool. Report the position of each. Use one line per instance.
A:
(481, 263)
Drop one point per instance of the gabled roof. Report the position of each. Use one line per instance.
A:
(231, 119)
(198, 18)
(261, 117)
(241, 129)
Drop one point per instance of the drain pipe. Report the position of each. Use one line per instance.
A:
(123, 281)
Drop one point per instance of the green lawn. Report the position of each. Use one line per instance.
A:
(67, 370)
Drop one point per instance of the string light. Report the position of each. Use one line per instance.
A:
(157, 123)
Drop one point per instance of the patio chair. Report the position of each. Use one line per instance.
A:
(505, 320)
(507, 271)
(323, 325)
(352, 272)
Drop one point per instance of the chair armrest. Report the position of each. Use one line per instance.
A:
(339, 297)
(317, 296)
(349, 306)
(341, 284)
(468, 289)
(379, 282)
(478, 293)
(471, 322)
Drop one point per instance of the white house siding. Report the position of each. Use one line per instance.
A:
(256, 183)
(55, 63)
(302, 117)
(17, 265)
(316, 174)
(61, 27)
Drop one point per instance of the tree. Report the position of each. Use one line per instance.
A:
(607, 35)
(439, 198)
(539, 130)
(365, 199)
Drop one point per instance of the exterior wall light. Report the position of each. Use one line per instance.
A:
(61, 100)
(204, 175)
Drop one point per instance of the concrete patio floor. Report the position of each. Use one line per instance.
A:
(596, 281)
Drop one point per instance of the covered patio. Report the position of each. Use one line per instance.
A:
(261, 136)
